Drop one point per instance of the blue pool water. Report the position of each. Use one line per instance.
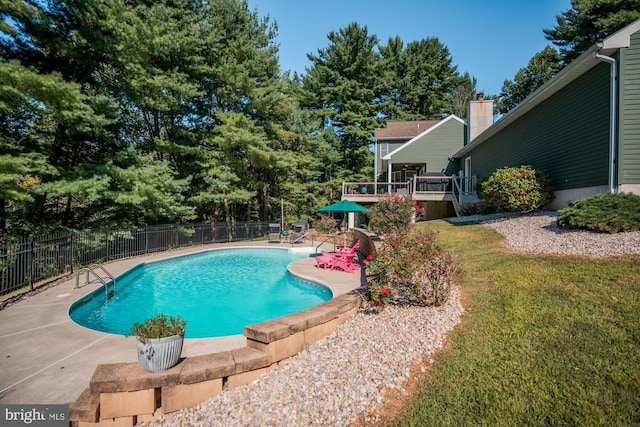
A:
(217, 293)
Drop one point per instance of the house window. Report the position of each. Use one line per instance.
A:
(384, 149)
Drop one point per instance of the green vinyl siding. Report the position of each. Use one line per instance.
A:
(567, 136)
(629, 121)
(435, 147)
(393, 145)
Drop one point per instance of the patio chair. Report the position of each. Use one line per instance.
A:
(345, 262)
(349, 249)
(324, 260)
(274, 233)
(300, 228)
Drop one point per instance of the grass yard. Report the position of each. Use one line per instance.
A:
(545, 340)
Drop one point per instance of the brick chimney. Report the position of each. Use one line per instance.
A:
(480, 116)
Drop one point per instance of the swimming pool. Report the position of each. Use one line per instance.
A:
(216, 292)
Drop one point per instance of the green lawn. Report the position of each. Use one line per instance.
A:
(545, 340)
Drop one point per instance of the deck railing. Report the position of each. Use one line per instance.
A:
(417, 185)
(456, 186)
(367, 189)
(24, 262)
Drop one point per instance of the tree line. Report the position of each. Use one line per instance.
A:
(119, 113)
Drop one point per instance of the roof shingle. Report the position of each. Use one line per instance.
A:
(404, 129)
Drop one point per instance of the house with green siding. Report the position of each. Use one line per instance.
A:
(582, 126)
(405, 149)
(413, 159)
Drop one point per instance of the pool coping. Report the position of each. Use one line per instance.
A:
(47, 358)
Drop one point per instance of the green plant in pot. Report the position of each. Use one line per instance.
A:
(159, 341)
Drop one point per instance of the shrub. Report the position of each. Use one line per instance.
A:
(325, 224)
(518, 189)
(393, 214)
(380, 294)
(478, 208)
(415, 269)
(159, 326)
(607, 212)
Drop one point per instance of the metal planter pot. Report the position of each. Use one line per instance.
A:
(157, 355)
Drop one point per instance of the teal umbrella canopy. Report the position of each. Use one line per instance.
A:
(344, 206)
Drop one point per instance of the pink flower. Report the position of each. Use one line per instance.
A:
(385, 291)
(369, 257)
(394, 243)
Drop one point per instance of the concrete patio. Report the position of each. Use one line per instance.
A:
(47, 358)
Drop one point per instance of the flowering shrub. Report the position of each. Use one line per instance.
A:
(325, 224)
(414, 267)
(393, 214)
(159, 326)
(380, 294)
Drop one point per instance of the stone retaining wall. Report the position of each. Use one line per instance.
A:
(124, 394)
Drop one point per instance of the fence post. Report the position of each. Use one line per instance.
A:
(71, 250)
(31, 261)
(106, 243)
(146, 238)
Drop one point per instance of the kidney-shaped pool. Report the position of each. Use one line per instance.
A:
(217, 292)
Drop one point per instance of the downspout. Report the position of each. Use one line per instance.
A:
(613, 146)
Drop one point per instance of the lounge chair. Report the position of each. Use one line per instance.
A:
(324, 260)
(345, 260)
(349, 249)
(274, 233)
(300, 228)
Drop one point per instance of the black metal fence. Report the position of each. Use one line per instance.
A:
(30, 260)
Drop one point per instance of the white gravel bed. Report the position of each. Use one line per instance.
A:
(337, 381)
(539, 233)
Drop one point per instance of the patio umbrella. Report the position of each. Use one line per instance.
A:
(344, 206)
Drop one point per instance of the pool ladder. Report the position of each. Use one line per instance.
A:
(92, 270)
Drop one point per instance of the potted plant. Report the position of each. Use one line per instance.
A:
(159, 341)
(343, 225)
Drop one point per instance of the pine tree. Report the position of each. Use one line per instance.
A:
(343, 87)
(587, 22)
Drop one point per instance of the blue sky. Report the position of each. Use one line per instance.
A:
(491, 39)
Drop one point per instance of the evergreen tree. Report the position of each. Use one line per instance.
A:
(544, 65)
(344, 88)
(425, 79)
(587, 22)
(181, 99)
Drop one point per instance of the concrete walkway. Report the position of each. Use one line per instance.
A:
(46, 358)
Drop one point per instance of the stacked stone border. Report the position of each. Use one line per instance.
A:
(124, 394)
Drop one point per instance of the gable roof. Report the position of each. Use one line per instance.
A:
(424, 132)
(404, 129)
(568, 74)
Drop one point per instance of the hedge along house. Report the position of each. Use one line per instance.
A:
(582, 126)
(408, 150)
